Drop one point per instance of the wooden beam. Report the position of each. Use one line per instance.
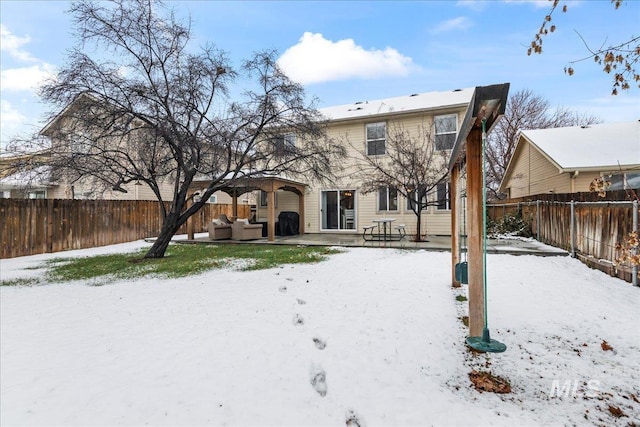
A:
(455, 228)
(234, 204)
(271, 214)
(190, 225)
(301, 225)
(474, 240)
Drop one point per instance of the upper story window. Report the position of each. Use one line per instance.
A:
(376, 137)
(387, 199)
(79, 144)
(285, 144)
(446, 129)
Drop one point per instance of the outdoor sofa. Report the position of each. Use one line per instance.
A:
(242, 230)
(219, 230)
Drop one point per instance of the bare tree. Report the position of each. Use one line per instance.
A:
(525, 110)
(621, 58)
(411, 165)
(142, 105)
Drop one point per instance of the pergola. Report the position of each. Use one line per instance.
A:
(268, 184)
(488, 103)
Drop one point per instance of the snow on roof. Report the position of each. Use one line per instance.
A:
(606, 144)
(39, 176)
(414, 102)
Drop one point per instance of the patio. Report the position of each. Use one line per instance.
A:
(433, 243)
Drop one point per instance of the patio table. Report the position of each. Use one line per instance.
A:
(384, 222)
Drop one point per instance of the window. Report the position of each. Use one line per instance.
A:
(624, 181)
(213, 199)
(37, 195)
(263, 199)
(79, 144)
(443, 194)
(285, 144)
(387, 199)
(446, 128)
(376, 136)
(412, 201)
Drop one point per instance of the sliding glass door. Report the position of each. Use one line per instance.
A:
(338, 210)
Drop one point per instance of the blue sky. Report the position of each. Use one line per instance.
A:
(357, 50)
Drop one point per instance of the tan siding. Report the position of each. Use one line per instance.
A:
(583, 180)
(352, 134)
(545, 176)
(285, 201)
(532, 173)
(518, 181)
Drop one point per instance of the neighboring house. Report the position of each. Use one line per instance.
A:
(569, 159)
(64, 188)
(363, 126)
(28, 184)
(25, 176)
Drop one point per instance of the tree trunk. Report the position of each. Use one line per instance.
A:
(418, 237)
(169, 229)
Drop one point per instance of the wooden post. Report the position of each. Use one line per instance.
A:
(271, 214)
(190, 232)
(234, 205)
(301, 211)
(50, 225)
(455, 229)
(474, 241)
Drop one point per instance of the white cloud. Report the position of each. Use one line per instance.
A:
(475, 5)
(25, 78)
(12, 44)
(455, 24)
(538, 4)
(315, 59)
(11, 120)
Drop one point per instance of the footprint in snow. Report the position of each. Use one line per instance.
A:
(301, 301)
(320, 343)
(298, 320)
(283, 289)
(319, 380)
(353, 420)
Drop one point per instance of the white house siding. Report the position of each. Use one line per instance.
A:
(285, 201)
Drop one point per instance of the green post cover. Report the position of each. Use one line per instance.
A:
(462, 274)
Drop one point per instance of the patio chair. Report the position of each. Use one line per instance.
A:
(242, 230)
(219, 230)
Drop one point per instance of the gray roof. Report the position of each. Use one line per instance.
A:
(409, 103)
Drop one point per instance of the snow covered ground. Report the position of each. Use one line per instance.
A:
(368, 337)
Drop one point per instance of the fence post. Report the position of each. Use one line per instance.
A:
(573, 231)
(49, 223)
(538, 220)
(634, 270)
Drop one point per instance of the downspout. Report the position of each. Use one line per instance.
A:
(573, 180)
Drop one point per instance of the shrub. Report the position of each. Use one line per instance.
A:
(511, 224)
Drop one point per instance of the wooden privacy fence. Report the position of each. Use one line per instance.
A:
(29, 227)
(589, 230)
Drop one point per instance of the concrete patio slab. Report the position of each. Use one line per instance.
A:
(515, 246)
